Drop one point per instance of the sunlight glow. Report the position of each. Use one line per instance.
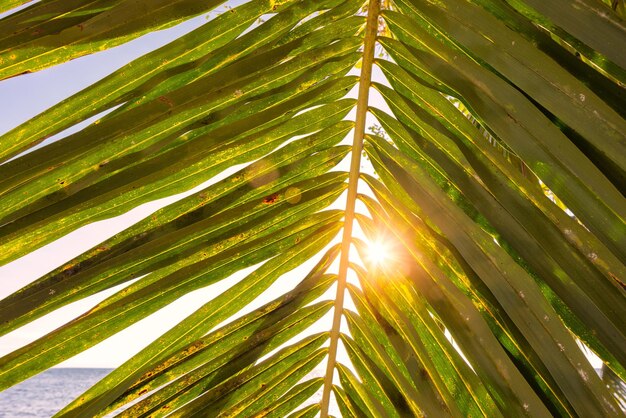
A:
(378, 252)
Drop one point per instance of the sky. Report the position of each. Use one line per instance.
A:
(24, 97)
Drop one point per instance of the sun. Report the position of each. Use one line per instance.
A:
(378, 252)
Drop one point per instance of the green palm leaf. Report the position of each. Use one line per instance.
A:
(496, 178)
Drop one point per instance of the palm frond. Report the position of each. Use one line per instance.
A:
(502, 264)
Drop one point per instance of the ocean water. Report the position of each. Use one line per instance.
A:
(43, 395)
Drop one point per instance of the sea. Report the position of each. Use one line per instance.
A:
(44, 395)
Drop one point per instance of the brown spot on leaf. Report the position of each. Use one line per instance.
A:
(70, 271)
(166, 100)
(614, 277)
(271, 199)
